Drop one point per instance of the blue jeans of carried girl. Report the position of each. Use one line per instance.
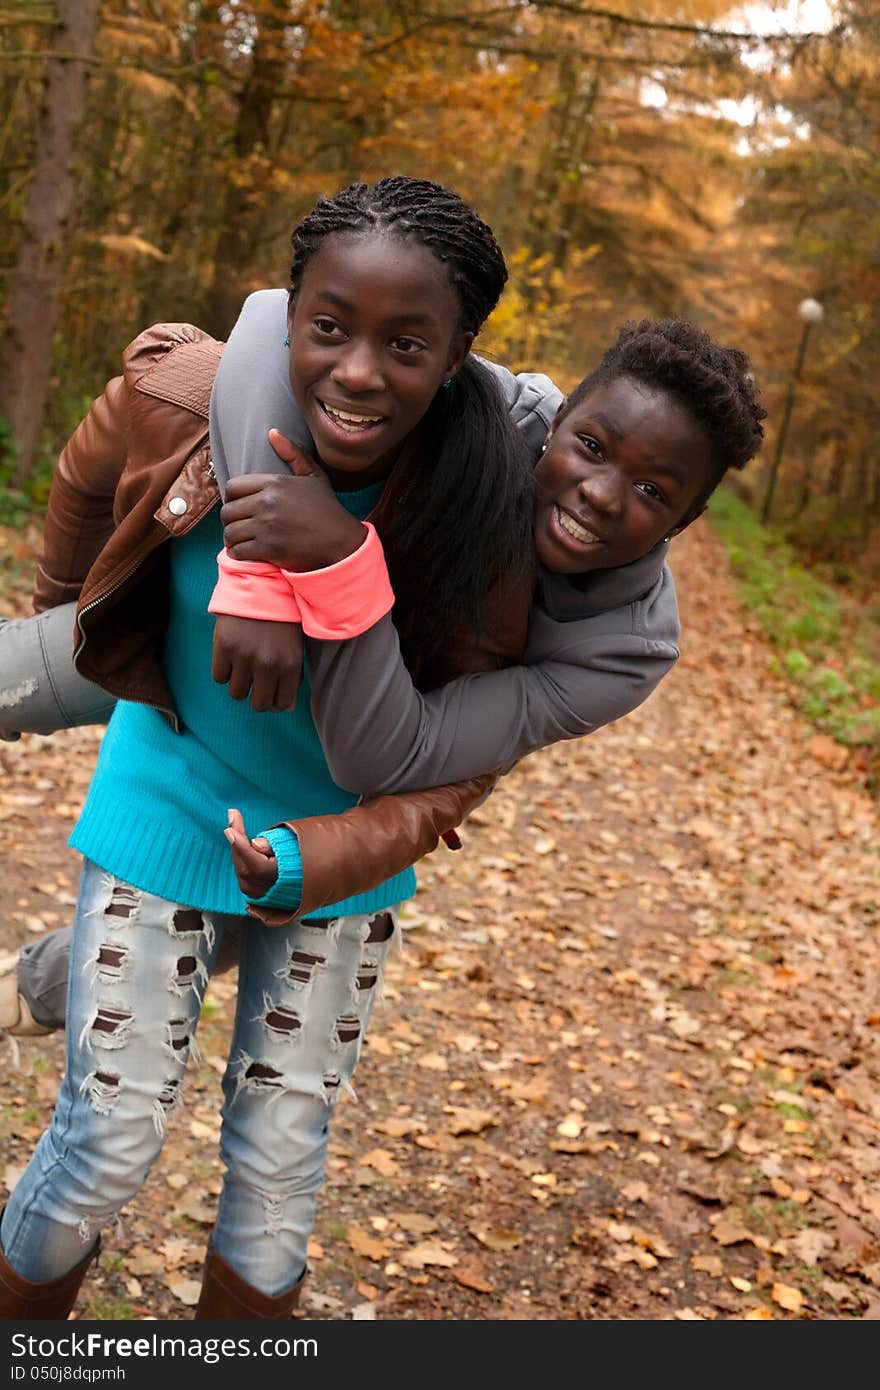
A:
(138, 971)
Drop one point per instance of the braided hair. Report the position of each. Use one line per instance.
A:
(714, 384)
(428, 213)
(456, 512)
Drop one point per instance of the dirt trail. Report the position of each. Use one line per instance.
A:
(626, 1064)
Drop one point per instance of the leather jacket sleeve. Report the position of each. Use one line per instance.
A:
(358, 849)
(79, 515)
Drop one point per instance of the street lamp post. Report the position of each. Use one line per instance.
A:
(810, 312)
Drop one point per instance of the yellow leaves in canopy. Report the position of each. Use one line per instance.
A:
(131, 35)
(131, 245)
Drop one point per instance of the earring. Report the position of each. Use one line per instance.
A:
(447, 383)
(667, 539)
(287, 340)
(544, 447)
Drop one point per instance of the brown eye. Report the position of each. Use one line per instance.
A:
(592, 446)
(651, 491)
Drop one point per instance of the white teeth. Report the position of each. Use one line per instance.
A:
(574, 528)
(347, 417)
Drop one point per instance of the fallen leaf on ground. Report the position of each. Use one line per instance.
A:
(570, 1127)
(177, 1251)
(433, 1061)
(470, 1276)
(634, 1254)
(415, 1222)
(140, 1260)
(636, 1192)
(728, 1229)
(496, 1237)
(364, 1244)
(428, 1254)
(398, 1129)
(186, 1291)
(810, 1244)
(465, 1121)
(787, 1297)
(382, 1160)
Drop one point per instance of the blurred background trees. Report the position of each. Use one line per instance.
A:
(648, 158)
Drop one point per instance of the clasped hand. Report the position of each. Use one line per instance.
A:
(293, 522)
(256, 867)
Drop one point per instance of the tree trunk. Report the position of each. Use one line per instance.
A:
(242, 205)
(36, 285)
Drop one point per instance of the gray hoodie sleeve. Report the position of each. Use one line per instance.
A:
(380, 734)
(252, 394)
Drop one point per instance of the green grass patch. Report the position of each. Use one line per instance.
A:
(824, 645)
(794, 1112)
(102, 1309)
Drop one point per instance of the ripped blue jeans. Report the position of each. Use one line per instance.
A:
(138, 971)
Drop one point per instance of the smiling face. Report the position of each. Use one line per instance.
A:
(624, 468)
(373, 335)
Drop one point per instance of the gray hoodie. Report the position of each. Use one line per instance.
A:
(593, 654)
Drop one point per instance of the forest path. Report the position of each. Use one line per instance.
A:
(625, 1067)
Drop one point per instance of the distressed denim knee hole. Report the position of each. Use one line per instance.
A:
(112, 963)
(381, 928)
(187, 973)
(283, 1022)
(110, 1027)
(103, 1089)
(301, 968)
(347, 1029)
(124, 903)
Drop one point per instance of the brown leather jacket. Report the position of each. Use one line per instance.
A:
(137, 472)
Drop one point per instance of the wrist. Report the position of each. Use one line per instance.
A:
(343, 600)
(348, 537)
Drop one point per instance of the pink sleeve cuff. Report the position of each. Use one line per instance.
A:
(345, 599)
(246, 589)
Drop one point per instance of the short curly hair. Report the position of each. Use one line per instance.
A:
(713, 383)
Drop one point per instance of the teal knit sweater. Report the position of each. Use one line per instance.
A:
(158, 802)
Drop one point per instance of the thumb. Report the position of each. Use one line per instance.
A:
(263, 846)
(287, 451)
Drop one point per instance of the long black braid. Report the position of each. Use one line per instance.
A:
(456, 513)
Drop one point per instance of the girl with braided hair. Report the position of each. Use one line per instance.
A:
(305, 992)
(435, 522)
(390, 284)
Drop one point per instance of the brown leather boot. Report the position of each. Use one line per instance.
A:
(226, 1295)
(22, 1300)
